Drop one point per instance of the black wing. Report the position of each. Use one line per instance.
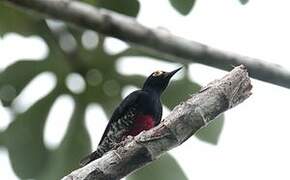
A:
(125, 105)
(123, 109)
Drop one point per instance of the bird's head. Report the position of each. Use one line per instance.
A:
(158, 81)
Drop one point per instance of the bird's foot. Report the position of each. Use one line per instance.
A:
(124, 141)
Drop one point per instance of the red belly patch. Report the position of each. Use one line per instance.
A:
(141, 123)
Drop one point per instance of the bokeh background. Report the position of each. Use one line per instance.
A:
(60, 83)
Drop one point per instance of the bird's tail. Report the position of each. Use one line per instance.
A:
(89, 158)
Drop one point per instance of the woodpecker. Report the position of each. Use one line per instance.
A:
(141, 110)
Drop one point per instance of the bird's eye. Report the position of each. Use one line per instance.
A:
(157, 73)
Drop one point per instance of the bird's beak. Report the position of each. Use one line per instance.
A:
(170, 74)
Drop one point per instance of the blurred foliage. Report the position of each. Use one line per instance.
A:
(30, 158)
(244, 1)
(127, 7)
(24, 24)
(212, 131)
(182, 6)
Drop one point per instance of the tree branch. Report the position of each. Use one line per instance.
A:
(153, 41)
(178, 126)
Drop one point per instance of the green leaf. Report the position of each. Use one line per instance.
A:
(212, 131)
(14, 20)
(24, 139)
(127, 7)
(182, 6)
(74, 146)
(1, 139)
(243, 2)
(164, 168)
(16, 76)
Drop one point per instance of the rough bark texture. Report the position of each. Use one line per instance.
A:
(184, 120)
(153, 41)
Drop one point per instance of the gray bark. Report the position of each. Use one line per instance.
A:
(153, 41)
(184, 120)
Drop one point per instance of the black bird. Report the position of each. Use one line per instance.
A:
(140, 110)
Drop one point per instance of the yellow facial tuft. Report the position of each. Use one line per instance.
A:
(157, 73)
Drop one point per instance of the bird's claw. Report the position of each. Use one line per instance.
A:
(124, 141)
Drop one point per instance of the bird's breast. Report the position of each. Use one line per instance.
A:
(141, 123)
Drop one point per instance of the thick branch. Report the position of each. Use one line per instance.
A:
(178, 126)
(153, 40)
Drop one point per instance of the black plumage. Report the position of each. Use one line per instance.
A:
(140, 110)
